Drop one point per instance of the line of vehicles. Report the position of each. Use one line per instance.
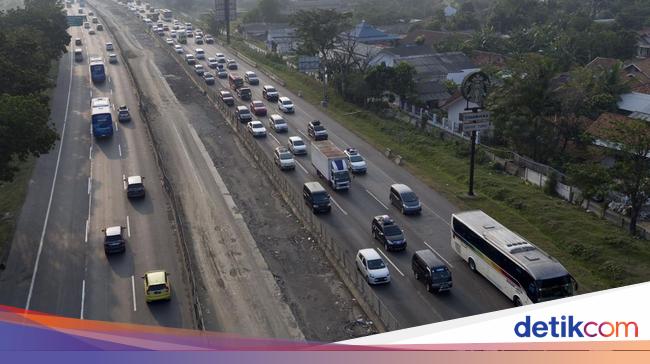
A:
(520, 270)
(157, 285)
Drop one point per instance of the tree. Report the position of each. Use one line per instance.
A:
(320, 31)
(523, 104)
(593, 180)
(267, 11)
(211, 24)
(632, 167)
(402, 82)
(24, 130)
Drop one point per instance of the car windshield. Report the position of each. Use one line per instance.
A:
(356, 158)
(286, 102)
(114, 238)
(409, 197)
(392, 230)
(136, 186)
(258, 104)
(298, 143)
(285, 155)
(226, 94)
(318, 128)
(243, 112)
(376, 264)
(157, 287)
(440, 273)
(320, 197)
(270, 89)
(257, 125)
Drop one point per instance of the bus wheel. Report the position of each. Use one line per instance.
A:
(517, 301)
(472, 265)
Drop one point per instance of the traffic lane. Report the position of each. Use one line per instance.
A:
(156, 243)
(57, 285)
(148, 221)
(17, 276)
(461, 302)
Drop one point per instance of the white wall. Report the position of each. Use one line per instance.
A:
(388, 59)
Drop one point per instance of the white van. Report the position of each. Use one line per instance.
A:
(200, 53)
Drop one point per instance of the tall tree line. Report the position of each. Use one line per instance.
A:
(31, 38)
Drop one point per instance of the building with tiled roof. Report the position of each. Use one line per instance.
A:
(366, 33)
(431, 38)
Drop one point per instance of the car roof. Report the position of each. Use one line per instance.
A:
(156, 277)
(256, 122)
(284, 98)
(225, 92)
(401, 188)
(370, 254)
(276, 117)
(250, 73)
(134, 180)
(113, 230)
(385, 220)
(242, 107)
(295, 138)
(430, 259)
(269, 86)
(257, 102)
(282, 150)
(315, 187)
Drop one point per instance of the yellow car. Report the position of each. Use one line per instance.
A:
(157, 286)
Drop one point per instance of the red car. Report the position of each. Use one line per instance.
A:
(258, 108)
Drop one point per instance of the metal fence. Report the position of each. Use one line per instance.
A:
(339, 254)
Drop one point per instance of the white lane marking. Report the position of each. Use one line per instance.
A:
(83, 298)
(376, 199)
(91, 94)
(133, 290)
(90, 155)
(438, 254)
(303, 168)
(274, 138)
(390, 261)
(119, 149)
(49, 203)
(109, 81)
(124, 181)
(87, 227)
(111, 91)
(116, 127)
(90, 183)
(339, 206)
(128, 226)
(446, 221)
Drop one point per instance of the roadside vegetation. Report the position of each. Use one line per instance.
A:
(32, 39)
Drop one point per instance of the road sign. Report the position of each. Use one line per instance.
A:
(474, 116)
(220, 10)
(308, 64)
(76, 20)
(474, 126)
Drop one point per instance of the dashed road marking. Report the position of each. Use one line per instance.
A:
(390, 261)
(339, 206)
(438, 254)
(376, 199)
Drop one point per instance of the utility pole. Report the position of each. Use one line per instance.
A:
(227, 6)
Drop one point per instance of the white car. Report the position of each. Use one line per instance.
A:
(221, 58)
(286, 105)
(200, 53)
(277, 123)
(169, 41)
(256, 128)
(172, 34)
(179, 49)
(372, 267)
(109, 46)
(283, 158)
(357, 163)
(212, 62)
(297, 146)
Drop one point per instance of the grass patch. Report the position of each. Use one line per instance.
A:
(598, 254)
(12, 196)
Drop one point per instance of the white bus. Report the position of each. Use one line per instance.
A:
(166, 15)
(523, 272)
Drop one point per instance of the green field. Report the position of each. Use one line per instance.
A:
(597, 253)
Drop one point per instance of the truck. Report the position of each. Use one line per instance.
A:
(331, 164)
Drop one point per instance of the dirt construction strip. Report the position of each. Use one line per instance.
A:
(232, 272)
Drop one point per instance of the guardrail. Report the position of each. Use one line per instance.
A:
(340, 255)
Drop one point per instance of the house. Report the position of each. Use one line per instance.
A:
(603, 63)
(637, 73)
(394, 55)
(454, 106)
(452, 66)
(293, 6)
(259, 31)
(485, 58)
(400, 28)
(635, 105)
(282, 41)
(602, 128)
(432, 38)
(367, 34)
(643, 43)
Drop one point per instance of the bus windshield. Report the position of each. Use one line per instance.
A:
(554, 288)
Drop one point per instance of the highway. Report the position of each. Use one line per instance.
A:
(57, 263)
(353, 211)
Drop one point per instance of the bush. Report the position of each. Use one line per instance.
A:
(551, 184)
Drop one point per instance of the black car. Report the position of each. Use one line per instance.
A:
(270, 93)
(316, 130)
(244, 93)
(316, 197)
(431, 270)
(402, 197)
(388, 233)
(114, 242)
(134, 187)
(243, 114)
